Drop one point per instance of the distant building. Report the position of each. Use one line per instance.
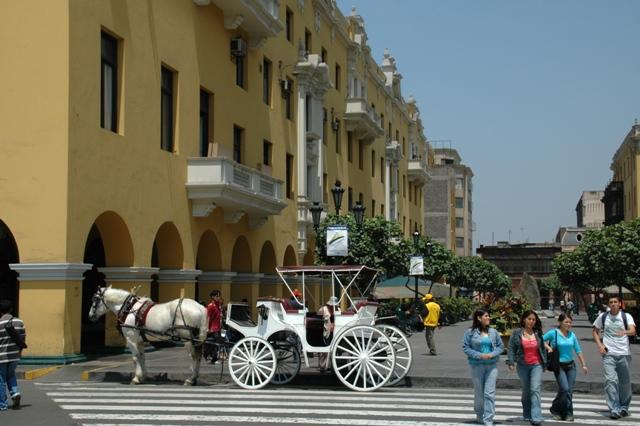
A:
(570, 238)
(621, 198)
(448, 202)
(516, 259)
(590, 210)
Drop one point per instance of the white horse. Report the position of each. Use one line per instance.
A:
(183, 319)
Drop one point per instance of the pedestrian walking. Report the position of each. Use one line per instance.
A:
(570, 307)
(551, 304)
(527, 353)
(12, 342)
(482, 345)
(431, 320)
(563, 340)
(616, 326)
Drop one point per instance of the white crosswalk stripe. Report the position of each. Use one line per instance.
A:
(112, 404)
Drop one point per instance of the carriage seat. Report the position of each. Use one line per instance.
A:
(358, 306)
(284, 302)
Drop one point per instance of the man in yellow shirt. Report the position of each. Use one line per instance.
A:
(431, 320)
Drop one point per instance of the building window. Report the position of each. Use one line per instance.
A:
(307, 40)
(459, 222)
(373, 164)
(382, 209)
(205, 121)
(288, 100)
(289, 176)
(404, 224)
(337, 79)
(350, 198)
(238, 142)
(289, 25)
(410, 189)
(460, 242)
(325, 188)
(266, 81)
(459, 203)
(338, 142)
(404, 186)
(307, 112)
(323, 54)
(350, 147)
(109, 83)
(241, 66)
(166, 110)
(360, 154)
(266, 152)
(382, 169)
(459, 183)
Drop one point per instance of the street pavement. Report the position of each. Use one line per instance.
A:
(110, 404)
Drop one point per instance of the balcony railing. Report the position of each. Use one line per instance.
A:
(417, 171)
(362, 120)
(221, 182)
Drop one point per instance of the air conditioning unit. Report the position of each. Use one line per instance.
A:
(238, 47)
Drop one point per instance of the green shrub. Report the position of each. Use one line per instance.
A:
(505, 312)
(456, 308)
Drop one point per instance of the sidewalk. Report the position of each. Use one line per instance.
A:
(448, 369)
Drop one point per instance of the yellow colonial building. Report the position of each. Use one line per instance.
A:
(622, 195)
(178, 144)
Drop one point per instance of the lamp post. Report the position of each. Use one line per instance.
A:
(316, 211)
(337, 191)
(416, 241)
(358, 213)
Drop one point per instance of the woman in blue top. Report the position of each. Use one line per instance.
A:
(565, 342)
(483, 346)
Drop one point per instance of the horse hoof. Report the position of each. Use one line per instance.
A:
(136, 381)
(190, 382)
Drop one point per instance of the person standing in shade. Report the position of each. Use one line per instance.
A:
(214, 313)
(563, 340)
(482, 345)
(12, 341)
(528, 353)
(327, 312)
(431, 320)
(616, 327)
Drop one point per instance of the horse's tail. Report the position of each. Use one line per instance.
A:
(204, 325)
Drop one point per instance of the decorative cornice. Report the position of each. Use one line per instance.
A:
(247, 277)
(216, 276)
(128, 273)
(270, 279)
(50, 271)
(177, 275)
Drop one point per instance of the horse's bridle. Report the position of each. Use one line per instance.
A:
(97, 299)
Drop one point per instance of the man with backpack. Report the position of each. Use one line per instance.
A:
(616, 327)
(12, 341)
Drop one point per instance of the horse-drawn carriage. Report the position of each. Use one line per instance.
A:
(364, 356)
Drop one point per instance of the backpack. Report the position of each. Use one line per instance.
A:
(13, 333)
(624, 319)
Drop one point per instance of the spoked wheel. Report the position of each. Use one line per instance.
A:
(252, 363)
(363, 358)
(288, 364)
(402, 348)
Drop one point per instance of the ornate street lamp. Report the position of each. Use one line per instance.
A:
(337, 191)
(358, 213)
(316, 211)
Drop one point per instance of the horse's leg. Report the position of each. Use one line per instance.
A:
(195, 352)
(138, 356)
(142, 359)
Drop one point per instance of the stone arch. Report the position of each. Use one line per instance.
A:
(267, 266)
(290, 258)
(116, 239)
(241, 256)
(167, 250)
(309, 258)
(209, 255)
(8, 277)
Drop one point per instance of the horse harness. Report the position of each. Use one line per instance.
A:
(140, 308)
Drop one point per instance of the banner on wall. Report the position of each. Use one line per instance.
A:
(337, 240)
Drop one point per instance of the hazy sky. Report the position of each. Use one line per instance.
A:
(536, 96)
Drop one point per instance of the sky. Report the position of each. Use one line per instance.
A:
(536, 96)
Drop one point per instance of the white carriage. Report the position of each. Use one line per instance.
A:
(364, 356)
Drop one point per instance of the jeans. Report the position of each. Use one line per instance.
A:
(563, 403)
(531, 379)
(484, 378)
(617, 382)
(8, 380)
(428, 334)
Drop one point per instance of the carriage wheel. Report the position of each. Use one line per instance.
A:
(252, 363)
(288, 364)
(402, 348)
(363, 358)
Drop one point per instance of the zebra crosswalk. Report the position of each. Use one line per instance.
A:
(108, 404)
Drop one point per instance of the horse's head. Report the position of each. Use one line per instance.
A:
(98, 305)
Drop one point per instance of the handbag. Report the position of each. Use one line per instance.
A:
(13, 334)
(553, 359)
